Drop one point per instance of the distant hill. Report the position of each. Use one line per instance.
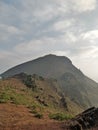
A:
(73, 83)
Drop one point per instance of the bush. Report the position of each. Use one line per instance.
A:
(29, 82)
(60, 116)
(38, 115)
(4, 97)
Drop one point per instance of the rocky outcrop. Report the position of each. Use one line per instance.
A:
(86, 120)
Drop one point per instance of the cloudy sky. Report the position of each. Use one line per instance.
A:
(33, 28)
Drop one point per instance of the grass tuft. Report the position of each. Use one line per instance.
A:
(60, 116)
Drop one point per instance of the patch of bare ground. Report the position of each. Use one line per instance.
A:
(18, 117)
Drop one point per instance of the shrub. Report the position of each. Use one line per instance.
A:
(60, 116)
(29, 82)
(33, 109)
(4, 97)
(41, 78)
(38, 115)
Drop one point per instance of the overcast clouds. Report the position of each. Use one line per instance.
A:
(32, 28)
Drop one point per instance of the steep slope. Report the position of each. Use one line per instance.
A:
(80, 90)
(73, 83)
(36, 91)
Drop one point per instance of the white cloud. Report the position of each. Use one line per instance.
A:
(28, 47)
(12, 29)
(84, 5)
(4, 54)
(48, 44)
(46, 13)
(7, 32)
(6, 60)
(77, 6)
(63, 24)
(69, 42)
(70, 38)
(91, 35)
(60, 53)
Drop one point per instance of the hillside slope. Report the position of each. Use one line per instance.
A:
(73, 83)
(36, 91)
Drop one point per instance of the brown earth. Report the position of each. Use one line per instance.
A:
(18, 117)
(13, 117)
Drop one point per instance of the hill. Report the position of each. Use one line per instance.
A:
(71, 81)
(28, 90)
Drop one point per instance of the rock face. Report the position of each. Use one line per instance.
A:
(86, 120)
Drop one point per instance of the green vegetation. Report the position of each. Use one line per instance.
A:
(38, 115)
(33, 108)
(4, 97)
(29, 82)
(46, 96)
(10, 96)
(35, 112)
(60, 116)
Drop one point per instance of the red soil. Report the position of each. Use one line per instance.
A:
(14, 117)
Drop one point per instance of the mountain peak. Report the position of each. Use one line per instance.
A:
(49, 66)
(50, 55)
(53, 55)
(56, 57)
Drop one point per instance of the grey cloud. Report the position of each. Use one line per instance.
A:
(29, 28)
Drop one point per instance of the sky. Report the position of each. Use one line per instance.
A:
(33, 28)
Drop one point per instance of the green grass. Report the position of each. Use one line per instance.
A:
(9, 94)
(60, 116)
(24, 96)
(36, 110)
(20, 97)
(4, 98)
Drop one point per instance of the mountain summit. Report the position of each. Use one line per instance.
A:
(73, 83)
(48, 66)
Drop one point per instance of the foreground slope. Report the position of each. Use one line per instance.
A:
(73, 83)
(14, 117)
(32, 102)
